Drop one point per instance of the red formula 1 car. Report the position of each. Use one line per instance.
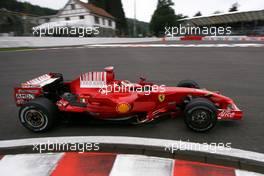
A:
(99, 94)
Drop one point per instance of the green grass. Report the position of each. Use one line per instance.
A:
(15, 49)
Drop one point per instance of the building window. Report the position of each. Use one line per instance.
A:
(96, 20)
(47, 19)
(103, 21)
(81, 17)
(110, 22)
(67, 18)
(72, 6)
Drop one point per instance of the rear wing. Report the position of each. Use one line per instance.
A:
(40, 81)
(36, 87)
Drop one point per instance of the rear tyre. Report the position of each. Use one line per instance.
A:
(38, 115)
(200, 115)
(188, 84)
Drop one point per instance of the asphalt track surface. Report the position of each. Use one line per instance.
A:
(236, 72)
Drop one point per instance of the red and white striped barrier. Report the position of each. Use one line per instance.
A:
(214, 38)
(222, 38)
(104, 164)
(233, 38)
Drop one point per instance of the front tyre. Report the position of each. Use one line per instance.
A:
(200, 115)
(38, 115)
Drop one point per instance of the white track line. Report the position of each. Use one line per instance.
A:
(175, 45)
(29, 164)
(131, 165)
(189, 146)
(246, 173)
(242, 45)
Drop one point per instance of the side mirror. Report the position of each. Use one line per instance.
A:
(142, 78)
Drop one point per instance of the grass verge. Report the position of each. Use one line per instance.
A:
(15, 49)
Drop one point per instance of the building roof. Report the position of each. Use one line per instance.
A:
(222, 18)
(94, 9)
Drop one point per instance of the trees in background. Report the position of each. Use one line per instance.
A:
(234, 7)
(99, 3)
(217, 12)
(142, 28)
(10, 22)
(198, 14)
(162, 3)
(163, 16)
(115, 8)
(25, 7)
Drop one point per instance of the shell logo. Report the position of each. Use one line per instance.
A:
(123, 108)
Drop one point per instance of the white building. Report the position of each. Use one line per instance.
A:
(79, 14)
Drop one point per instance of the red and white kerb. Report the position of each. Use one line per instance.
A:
(108, 164)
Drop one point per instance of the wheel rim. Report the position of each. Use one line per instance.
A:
(200, 119)
(34, 118)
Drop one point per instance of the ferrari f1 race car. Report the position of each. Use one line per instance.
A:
(42, 100)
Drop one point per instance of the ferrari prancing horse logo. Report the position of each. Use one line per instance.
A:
(161, 97)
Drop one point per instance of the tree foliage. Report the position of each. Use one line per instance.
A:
(24, 7)
(99, 3)
(162, 3)
(115, 8)
(217, 12)
(234, 7)
(142, 28)
(163, 16)
(198, 14)
(10, 23)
